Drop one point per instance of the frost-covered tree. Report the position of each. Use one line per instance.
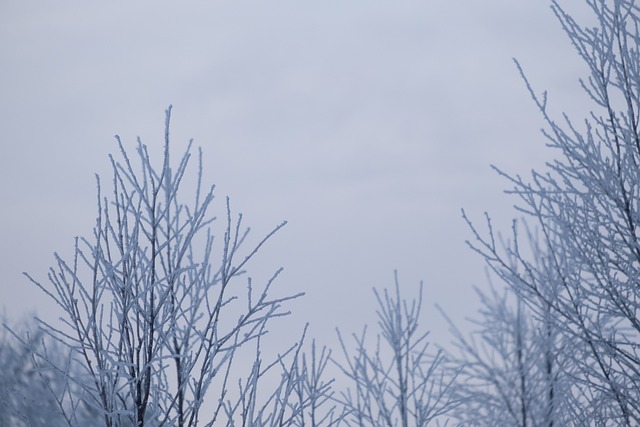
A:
(161, 319)
(586, 204)
(396, 380)
(513, 368)
(30, 396)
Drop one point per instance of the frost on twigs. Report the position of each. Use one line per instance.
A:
(399, 381)
(156, 311)
(582, 281)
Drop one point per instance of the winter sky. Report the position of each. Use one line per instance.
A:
(367, 125)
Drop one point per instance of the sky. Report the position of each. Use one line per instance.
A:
(367, 125)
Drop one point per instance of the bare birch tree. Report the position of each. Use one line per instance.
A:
(587, 206)
(397, 381)
(513, 369)
(159, 318)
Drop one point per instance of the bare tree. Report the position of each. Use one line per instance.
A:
(513, 369)
(397, 382)
(587, 206)
(30, 396)
(156, 313)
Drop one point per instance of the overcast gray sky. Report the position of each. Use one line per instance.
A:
(367, 125)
